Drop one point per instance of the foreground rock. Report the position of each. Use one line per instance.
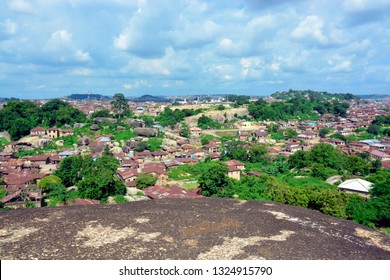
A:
(202, 228)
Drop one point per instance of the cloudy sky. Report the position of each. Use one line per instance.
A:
(52, 48)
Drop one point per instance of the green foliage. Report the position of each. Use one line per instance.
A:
(273, 127)
(185, 131)
(120, 199)
(104, 113)
(155, 144)
(204, 141)
(145, 180)
(58, 113)
(250, 188)
(356, 165)
(214, 181)
(205, 122)
(119, 104)
(3, 192)
(142, 146)
(95, 179)
(3, 142)
(324, 131)
(290, 133)
(381, 180)
(235, 150)
(327, 155)
(47, 182)
(170, 118)
(29, 204)
(220, 107)
(296, 106)
(373, 129)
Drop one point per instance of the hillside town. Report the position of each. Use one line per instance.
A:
(141, 147)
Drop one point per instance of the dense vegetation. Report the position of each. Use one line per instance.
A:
(311, 94)
(171, 117)
(94, 178)
(88, 96)
(296, 107)
(19, 117)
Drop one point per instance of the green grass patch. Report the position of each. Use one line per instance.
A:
(155, 144)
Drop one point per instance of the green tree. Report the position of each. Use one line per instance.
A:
(290, 133)
(184, 132)
(103, 113)
(214, 180)
(142, 146)
(119, 104)
(373, 129)
(357, 166)
(324, 131)
(145, 180)
(49, 181)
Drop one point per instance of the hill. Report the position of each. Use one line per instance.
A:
(150, 98)
(316, 95)
(88, 96)
(204, 228)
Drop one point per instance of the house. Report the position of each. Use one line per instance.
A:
(211, 148)
(234, 172)
(38, 131)
(260, 135)
(38, 160)
(160, 155)
(236, 164)
(128, 176)
(358, 186)
(379, 155)
(19, 197)
(337, 142)
(53, 132)
(196, 131)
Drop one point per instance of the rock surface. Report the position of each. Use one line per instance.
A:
(204, 228)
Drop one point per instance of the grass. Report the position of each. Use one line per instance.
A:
(190, 185)
(155, 144)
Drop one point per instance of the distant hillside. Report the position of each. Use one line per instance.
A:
(88, 96)
(285, 95)
(5, 99)
(150, 98)
(374, 96)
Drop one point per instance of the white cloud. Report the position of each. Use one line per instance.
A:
(61, 48)
(311, 28)
(22, 6)
(252, 67)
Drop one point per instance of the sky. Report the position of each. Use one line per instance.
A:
(54, 48)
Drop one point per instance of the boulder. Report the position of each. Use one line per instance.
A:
(121, 128)
(101, 119)
(78, 125)
(5, 135)
(83, 141)
(60, 143)
(94, 127)
(143, 131)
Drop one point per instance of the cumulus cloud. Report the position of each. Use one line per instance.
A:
(22, 6)
(194, 45)
(311, 28)
(252, 67)
(60, 47)
(7, 29)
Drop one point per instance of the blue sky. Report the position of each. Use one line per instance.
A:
(52, 48)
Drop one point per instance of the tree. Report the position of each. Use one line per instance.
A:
(104, 113)
(49, 181)
(357, 166)
(214, 180)
(324, 131)
(257, 153)
(119, 104)
(184, 132)
(145, 180)
(142, 146)
(290, 133)
(373, 129)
